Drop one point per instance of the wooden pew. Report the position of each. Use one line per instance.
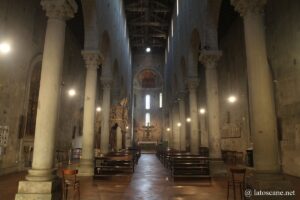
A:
(136, 152)
(190, 166)
(114, 164)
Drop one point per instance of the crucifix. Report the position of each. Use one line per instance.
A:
(147, 131)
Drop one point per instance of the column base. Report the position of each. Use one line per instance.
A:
(268, 182)
(217, 168)
(86, 168)
(36, 190)
(41, 175)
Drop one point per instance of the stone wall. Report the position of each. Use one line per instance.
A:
(71, 108)
(283, 38)
(232, 74)
(23, 23)
(151, 61)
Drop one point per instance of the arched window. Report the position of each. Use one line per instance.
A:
(160, 100)
(147, 119)
(147, 102)
(33, 100)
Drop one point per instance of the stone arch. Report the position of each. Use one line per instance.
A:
(183, 70)
(105, 45)
(33, 72)
(123, 90)
(116, 73)
(174, 85)
(137, 83)
(91, 32)
(227, 13)
(115, 70)
(105, 48)
(195, 45)
(33, 88)
(35, 61)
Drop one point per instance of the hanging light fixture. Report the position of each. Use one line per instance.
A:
(232, 99)
(202, 111)
(5, 48)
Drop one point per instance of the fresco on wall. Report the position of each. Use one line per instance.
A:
(148, 78)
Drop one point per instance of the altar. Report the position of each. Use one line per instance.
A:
(147, 146)
(147, 142)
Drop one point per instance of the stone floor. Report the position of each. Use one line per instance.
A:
(150, 181)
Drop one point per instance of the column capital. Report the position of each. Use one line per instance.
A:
(92, 58)
(60, 9)
(244, 6)
(210, 58)
(174, 101)
(106, 82)
(181, 95)
(192, 83)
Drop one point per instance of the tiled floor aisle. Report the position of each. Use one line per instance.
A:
(149, 182)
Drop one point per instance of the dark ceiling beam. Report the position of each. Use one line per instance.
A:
(160, 4)
(141, 41)
(157, 24)
(158, 18)
(136, 19)
(147, 18)
(139, 9)
(155, 35)
(144, 45)
(159, 30)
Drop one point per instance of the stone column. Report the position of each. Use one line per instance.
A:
(41, 182)
(203, 131)
(209, 60)
(92, 61)
(176, 129)
(105, 129)
(170, 125)
(119, 138)
(194, 130)
(182, 119)
(262, 105)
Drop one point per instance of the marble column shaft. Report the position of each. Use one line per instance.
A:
(92, 61)
(261, 97)
(50, 84)
(209, 59)
(176, 129)
(194, 130)
(203, 131)
(105, 129)
(182, 129)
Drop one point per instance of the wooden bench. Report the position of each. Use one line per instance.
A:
(204, 151)
(136, 152)
(114, 164)
(174, 154)
(190, 166)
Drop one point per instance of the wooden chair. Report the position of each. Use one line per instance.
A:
(70, 181)
(237, 178)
